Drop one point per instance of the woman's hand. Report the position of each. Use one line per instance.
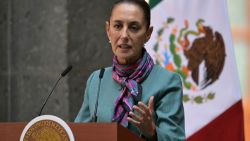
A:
(144, 119)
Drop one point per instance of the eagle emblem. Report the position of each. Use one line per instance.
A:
(197, 54)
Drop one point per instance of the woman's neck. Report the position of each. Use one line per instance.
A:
(130, 61)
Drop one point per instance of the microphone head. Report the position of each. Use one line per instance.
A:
(67, 70)
(101, 73)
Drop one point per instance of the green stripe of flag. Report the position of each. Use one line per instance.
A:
(153, 3)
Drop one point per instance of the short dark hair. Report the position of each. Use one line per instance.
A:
(141, 3)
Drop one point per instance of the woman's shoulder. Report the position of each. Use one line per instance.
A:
(160, 71)
(163, 76)
(95, 74)
(106, 70)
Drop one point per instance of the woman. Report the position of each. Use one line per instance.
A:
(135, 92)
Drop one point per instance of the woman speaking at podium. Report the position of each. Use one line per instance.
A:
(135, 92)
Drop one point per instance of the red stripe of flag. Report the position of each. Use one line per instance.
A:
(229, 126)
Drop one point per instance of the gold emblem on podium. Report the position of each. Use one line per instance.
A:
(47, 128)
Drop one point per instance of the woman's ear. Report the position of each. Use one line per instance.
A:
(149, 33)
(107, 29)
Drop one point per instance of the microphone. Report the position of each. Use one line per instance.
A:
(98, 92)
(65, 72)
(101, 73)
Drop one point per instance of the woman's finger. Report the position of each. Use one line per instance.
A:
(139, 110)
(136, 123)
(144, 107)
(151, 104)
(135, 117)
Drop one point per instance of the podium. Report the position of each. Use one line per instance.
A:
(81, 131)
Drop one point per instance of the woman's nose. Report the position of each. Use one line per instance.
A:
(124, 34)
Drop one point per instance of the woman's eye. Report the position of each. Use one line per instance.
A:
(117, 26)
(134, 28)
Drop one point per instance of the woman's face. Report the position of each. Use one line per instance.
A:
(127, 32)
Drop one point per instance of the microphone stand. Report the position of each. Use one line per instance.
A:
(49, 95)
(94, 118)
(66, 71)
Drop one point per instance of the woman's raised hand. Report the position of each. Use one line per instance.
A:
(144, 118)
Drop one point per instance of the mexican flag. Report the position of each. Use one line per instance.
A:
(193, 38)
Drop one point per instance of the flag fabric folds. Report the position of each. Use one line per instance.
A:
(193, 38)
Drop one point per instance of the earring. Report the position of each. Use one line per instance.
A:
(109, 41)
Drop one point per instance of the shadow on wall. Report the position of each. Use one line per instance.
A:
(88, 47)
(44, 37)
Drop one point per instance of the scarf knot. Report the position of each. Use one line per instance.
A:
(130, 78)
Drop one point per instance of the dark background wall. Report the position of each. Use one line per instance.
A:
(3, 61)
(38, 39)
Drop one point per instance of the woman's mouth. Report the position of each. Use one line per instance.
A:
(124, 46)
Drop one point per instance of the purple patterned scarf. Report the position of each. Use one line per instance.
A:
(130, 77)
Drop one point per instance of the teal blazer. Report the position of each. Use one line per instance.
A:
(165, 86)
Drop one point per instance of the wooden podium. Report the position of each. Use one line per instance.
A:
(81, 131)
